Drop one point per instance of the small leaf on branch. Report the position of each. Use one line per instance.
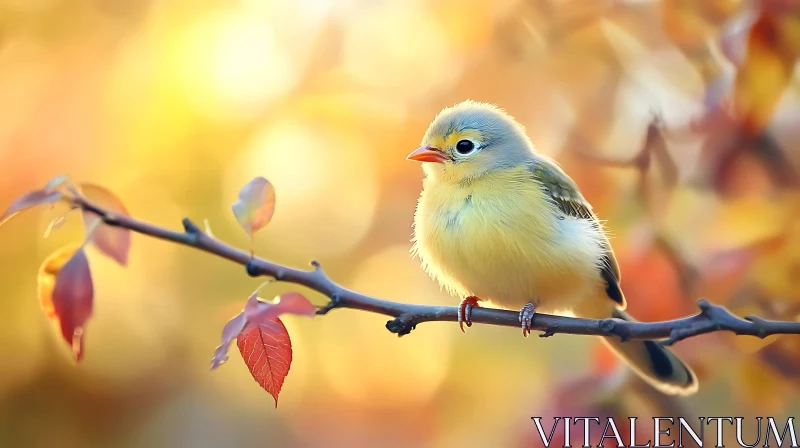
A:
(66, 293)
(46, 280)
(261, 334)
(267, 351)
(112, 241)
(232, 329)
(255, 206)
(37, 197)
(256, 312)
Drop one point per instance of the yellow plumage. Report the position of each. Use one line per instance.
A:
(505, 244)
(496, 221)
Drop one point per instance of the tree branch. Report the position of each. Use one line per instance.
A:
(711, 317)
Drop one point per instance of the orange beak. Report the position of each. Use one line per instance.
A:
(428, 154)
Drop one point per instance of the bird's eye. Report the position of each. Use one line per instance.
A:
(465, 147)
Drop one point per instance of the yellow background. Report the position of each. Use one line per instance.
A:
(174, 105)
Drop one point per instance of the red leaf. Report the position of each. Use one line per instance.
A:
(112, 241)
(257, 312)
(66, 292)
(267, 351)
(255, 206)
(28, 200)
(46, 280)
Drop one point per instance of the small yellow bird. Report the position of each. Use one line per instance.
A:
(496, 221)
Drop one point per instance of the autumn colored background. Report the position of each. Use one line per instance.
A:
(175, 105)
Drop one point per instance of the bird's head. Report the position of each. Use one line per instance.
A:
(471, 139)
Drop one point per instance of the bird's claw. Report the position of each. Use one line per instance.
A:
(526, 318)
(465, 311)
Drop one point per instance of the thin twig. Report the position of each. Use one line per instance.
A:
(406, 316)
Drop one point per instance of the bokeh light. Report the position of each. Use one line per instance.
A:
(399, 61)
(234, 65)
(174, 106)
(326, 211)
(403, 372)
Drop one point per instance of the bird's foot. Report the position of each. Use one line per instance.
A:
(526, 317)
(465, 311)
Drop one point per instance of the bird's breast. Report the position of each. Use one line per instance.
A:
(504, 241)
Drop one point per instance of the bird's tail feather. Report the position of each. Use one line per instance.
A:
(655, 363)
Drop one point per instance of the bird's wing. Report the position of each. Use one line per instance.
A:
(567, 196)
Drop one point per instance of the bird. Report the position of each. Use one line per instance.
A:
(498, 222)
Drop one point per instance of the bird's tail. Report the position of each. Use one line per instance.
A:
(655, 363)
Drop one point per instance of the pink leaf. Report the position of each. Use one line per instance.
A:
(267, 351)
(72, 300)
(112, 241)
(257, 311)
(255, 206)
(229, 333)
(28, 200)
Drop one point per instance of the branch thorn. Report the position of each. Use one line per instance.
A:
(190, 227)
(332, 304)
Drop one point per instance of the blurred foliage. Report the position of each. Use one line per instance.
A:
(175, 105)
